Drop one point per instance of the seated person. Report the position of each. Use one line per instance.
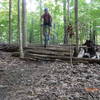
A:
(89, 51)
(90, 48)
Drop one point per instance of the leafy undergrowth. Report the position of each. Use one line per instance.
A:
(27, 80)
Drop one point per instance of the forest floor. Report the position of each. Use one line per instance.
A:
(30, 80)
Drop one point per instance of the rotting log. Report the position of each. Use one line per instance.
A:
(65, 58)
(35, 57)
(49, 49)
(42, 52)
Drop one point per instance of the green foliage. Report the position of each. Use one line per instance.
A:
(88, 14)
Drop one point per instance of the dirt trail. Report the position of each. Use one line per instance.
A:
(27, 80)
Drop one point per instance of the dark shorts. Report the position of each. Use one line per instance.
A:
(47, 24)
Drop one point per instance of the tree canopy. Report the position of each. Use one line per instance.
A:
(89, 19)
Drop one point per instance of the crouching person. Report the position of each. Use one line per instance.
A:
(89, 51)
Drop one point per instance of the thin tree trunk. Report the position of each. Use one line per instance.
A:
(68, 7)
(65, 22)
(31, 37)
(10, 26)
(24, 23)
(68, 18)
(76, 25)
(20, 31)
(40, 22)
(18, 23)
(94, 33)
(58, 26)
(54, 29)
(90, 31)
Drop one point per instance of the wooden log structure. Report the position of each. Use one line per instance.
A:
(51, 53)
(47, 57)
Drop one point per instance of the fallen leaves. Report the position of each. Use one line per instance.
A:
(28, 80)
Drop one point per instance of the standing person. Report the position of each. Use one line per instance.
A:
(46, 19)
(70, 30)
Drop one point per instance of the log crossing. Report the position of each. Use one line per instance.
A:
(51, 53)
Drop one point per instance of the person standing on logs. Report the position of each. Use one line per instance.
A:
(70, 30)
(46, 19)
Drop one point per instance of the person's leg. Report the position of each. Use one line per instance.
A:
(43, 30)
(49, 30)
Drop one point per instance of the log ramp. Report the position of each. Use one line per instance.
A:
(51, 53)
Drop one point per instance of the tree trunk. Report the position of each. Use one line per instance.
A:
(31, 37)
(68, 7)
(41, 40)
(94, 33)
(20, 31)
(10, 26)
(54, 29)
(90, 31)
(76, 25)
(65, 22)
(24, 23)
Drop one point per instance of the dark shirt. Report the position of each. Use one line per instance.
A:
(46, 18)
